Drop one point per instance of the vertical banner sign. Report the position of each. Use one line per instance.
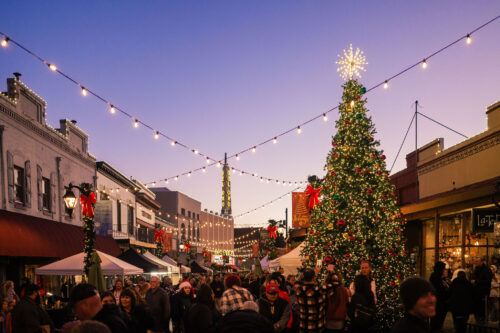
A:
(255, 250)
(300, 211)
(167, 242)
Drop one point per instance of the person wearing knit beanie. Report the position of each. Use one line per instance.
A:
(419, 301)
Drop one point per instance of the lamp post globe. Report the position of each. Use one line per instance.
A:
(70, 200)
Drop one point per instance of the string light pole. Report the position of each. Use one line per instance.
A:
(87, 201)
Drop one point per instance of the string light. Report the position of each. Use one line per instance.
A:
(275, 140)
(204, 169)
(112, 109)
(299, 129)
(173, 143)
(325, 118)
(267, 203)
(84, 91)
(53, 67)
(237, 157)
(218, 164)
(157, 135)
(208, 160)
(136, 123)
(469, 39)
(195, 151)
(424, 64)
(254, 149)
(352, 104)
(386, 84)
(350, 66)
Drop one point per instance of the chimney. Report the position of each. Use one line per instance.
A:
(493, 114)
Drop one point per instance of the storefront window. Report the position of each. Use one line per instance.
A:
(429, 233)
(450, 231)
(429, 260)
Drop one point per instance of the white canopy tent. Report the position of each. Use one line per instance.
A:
(264, 263)
(290, 261)
(185, 269)
(168, 267)
(74, 266)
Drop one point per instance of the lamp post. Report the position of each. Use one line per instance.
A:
(87, 201)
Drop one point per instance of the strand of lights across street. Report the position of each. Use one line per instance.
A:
(267, 203)
(262, 179)
(157, 134)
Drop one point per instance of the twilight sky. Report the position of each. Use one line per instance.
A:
(222, 76)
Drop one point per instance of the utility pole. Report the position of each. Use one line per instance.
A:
(416, 152)
(286, 222)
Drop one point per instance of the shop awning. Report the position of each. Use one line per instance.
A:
(169, 267)
(133, 257)
(28, 236)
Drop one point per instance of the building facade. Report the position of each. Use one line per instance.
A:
(146, 209)
(451, 199)
(37, 164)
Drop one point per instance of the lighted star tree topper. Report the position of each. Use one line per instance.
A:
(351, 63)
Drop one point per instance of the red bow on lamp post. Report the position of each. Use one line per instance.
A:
(186, 247)
(87, 203)
(159, 235)
(272, 231)
(313, 196)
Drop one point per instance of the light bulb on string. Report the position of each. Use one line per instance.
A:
(204, 169)
(468, 39)
(299, 129)
(84, 91)
(136, 123)
(166, 181)
(195, 151)
(325, 118)
(352, 104)
(157, 135)
(424, 64)
(5, 42)
(218, 164)
(189, 173)
(275, 140)
(208, 160)
(386, 84)
(237, 157)
(112, 109)
(173, 143)
(53, 67)
(176, 178)
(254, 149)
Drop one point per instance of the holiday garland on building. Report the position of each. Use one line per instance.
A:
(268, 245)
(87, 201)
(357, 218)
(159, 233)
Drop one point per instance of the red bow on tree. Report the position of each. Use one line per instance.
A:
(186, 247)
(87, 204)
(313, 196)
(272, 231)
(159, 235)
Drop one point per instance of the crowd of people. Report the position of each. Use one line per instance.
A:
(248, 303)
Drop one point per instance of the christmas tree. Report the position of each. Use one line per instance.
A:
(357, 218)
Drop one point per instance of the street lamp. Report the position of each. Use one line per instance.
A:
(181, 247)
(87, 201)
(70, 198)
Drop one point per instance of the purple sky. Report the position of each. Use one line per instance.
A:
(223, 76)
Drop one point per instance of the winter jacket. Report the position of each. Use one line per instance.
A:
(139, 320)
(111, 316)
(461, 294)
(359, 300)
(311, 301)
(181, 302)
(482, 276)
(278, 312)
(442, 292)
(244, 321)
(159, 307)
(202, 318)
(28, 317)
(218, 288)
(411, 324)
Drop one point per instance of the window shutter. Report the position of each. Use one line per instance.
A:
(27, 172)
(53, 192)
(10, 176)
(39, 186)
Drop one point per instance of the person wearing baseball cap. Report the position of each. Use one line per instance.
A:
(86, 304)
(419, 301)
(274, 308)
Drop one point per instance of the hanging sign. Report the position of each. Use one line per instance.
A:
(483, 220)
(300, 210)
